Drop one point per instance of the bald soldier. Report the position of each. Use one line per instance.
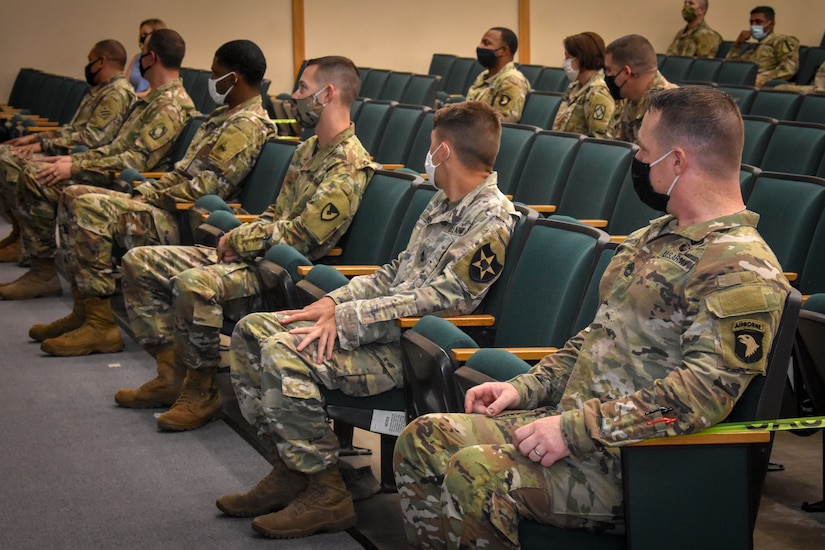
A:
(631, 73)
(176, 295)
(92, 220)
(776, 54)
(96, 122)
(697, 39)
(689, 307)
(349, 340)
(144, 142)
(502, 86)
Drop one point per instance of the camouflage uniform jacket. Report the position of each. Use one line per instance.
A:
(145, 139)
(221, 154)
(505, 92)
(587, 109)
(819, 80)
(631, 115)
(97, 120)
(686, 319)
(320, 194)
(777, 56)
(454, 254)
(699, 42)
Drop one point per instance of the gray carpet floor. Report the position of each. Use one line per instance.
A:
(78, 472)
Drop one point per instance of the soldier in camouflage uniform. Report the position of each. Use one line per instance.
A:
(144, 142)
(776, 54)
(697, 39)
(95, 123)
(587, 106)
(349, 340)
(176, 295)
(817, 87)
(91, 219)
(502, 85)
(631, 73)
(688, 309)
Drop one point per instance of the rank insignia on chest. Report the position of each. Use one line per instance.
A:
(329, 213)
(485, 265)
(158, 131)
(748, 336)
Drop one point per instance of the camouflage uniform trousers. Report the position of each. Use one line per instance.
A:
(278, 387)
(180, 294)
(10, 168)
(37, 212)
(471, 456)
(91, 220)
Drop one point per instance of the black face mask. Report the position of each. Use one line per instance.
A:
(615, 89)
(486, 57)
(87, 71)
(141, 68)
(640, 173)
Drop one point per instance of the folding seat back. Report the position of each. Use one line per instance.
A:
(399, 133)
(531, 73)
(776, 104)
(54, 101)
(546, 167)
(595, 178)
(421, 90)
(758, 132)
(373, 84)
(676, 68)
(441, 64)
(475, 69)
(395, 86)
(794, 148)
(263, 183)
(421, 195)
(371, 121)
(814, 57)
(742, 73)
(743, 95)
(73, 98)
(747, 175)
(185, 138)
(812, 109)
(540, 109)
(812, 278)
(454, 82)
(552, 79)
(704, 69)
(22, 86)
(629, 213)
(516, 140)
(724, 48)
(590, 300)
(790, 207)
(421, 144)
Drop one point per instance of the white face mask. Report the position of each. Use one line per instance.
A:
(213, 89)
(429, 167)
(758, 32)
(571, 73)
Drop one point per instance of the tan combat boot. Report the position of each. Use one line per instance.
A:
(98, 334)
(199, 402)
(14, 236)
(161, 391)
(73, 320)
(38, 282)
(272, 493)
(324, 507)
(10, 252)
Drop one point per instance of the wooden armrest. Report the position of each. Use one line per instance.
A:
(543, 208)
(617, 238)
(190, 205)
(153, 175)
(509, 197)
(347, 270)
(791, 276)
(805, 297)
(479, 320)
(528, 354)
(595, 223)
(39, 129)
(700, 438)
(246, 218)
(391, 166)
(335, 252)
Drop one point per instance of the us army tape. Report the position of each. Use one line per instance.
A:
(807, 423)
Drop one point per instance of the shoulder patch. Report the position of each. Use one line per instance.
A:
(598, 112)
(504, 100)
(484, 265)
(748, 337)
(329, 212)
(158, 131)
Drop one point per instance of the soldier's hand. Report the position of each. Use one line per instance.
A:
(324, 330)
(22, 140)
(225, 254)
(491, 398)
(25, 152)
(542, 441)
(743, 36)
(54, 173)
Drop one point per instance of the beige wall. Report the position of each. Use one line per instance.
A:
(374, 33)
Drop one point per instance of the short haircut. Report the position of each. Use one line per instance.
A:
(633, 50)
(508, 37)
(245, 58)
(113, 51)
(588, 48)
(705, 4)
(766, 10)
(168, 45)
(704, 120)
(154, 24)
(340, 71)
(474, 129)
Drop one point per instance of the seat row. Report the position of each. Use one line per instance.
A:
(778, 104)
(784, 146)
(48, 96)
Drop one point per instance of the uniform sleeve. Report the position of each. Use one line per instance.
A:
(331, 207)
(459, 287)
(599, 111)
(786, 52)
(819, 79)
(544, 383)
(510, 96)
(103, 125)
(723, 348)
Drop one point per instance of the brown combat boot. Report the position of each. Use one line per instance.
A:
(10, 252)
(14, 236)
(98, 334)
(325, 506)
(161, 391)
(38, 282)
(199, 402)
(272, 493)
(73, 320)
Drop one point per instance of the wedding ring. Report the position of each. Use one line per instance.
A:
(538, 454)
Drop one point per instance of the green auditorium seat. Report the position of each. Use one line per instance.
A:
(540, 109)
